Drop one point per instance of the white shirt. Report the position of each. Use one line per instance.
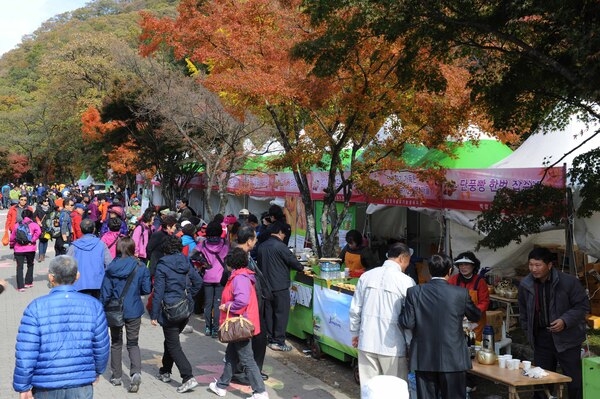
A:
(377, 302)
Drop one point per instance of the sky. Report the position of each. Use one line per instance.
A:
(22, 17)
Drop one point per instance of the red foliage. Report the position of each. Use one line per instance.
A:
(18, 164)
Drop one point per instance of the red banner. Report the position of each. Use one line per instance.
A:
(467, 189)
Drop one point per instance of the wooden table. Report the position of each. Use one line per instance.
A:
(517, 382)
(509, 302)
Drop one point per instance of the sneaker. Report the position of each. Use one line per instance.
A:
(279, 347)
(219, 391)
(21, 290)
(207, 331)
(187, 330)
(116, 381)
(136, 380)
(28, 285)
(215, 334)
(188, 385)
(164, 377)
(262, 395)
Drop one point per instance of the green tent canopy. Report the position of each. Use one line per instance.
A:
(467, 155)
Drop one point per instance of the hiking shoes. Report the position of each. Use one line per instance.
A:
(116, 381)
(164, 377)
(188, 385)
(136, 380)
(280, 347)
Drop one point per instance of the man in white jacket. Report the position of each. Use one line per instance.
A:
(376, 305)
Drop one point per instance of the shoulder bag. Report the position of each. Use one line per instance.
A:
(114, 307)
(234, 329)
(179, 311)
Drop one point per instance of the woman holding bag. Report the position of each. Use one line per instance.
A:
(239, 298)
(175, 279)
(113, 285)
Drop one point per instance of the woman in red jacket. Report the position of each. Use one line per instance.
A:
(468, 267)
(239, 296)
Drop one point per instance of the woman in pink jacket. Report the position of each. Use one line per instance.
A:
(25, 251)
(141, 234)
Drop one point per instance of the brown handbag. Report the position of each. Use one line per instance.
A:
(236, 328)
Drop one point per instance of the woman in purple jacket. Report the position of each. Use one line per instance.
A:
(214, 249)
(25, 251)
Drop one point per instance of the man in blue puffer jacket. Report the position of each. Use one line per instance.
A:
(62, 344)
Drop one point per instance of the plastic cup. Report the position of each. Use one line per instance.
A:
(502, 362)
(514, 364)
(526, 364)
(508, 357)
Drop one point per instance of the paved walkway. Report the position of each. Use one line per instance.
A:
(205, 354)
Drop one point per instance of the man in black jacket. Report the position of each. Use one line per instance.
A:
(275, 261)
(434, 312)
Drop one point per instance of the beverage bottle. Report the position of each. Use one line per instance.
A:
(488, 338)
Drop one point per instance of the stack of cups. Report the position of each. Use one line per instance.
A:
(504, 361)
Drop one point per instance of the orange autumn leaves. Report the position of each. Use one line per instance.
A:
(121, 159)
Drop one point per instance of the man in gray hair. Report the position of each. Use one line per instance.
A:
(62, 344)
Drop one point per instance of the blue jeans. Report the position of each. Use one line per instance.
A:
(241, 352)
(85, 392)
(42, 248)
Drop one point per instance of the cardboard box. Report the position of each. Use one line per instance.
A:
(495, 318)
(593, 321)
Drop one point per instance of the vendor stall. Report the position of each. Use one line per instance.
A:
(320, 314)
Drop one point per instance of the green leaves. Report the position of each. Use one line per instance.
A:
(586, 173)
(514, 214)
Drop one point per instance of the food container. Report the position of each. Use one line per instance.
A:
(511, 294)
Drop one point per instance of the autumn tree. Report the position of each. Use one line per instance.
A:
(197, 118)
(246, 48)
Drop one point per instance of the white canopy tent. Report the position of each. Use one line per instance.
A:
(541, 149)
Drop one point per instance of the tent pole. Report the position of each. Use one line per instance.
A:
(569, 247)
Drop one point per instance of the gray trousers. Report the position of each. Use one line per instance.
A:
(132, 332)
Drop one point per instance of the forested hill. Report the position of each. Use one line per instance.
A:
(53, 75)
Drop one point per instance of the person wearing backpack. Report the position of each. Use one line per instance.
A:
(23, 239)
(141, 234)
(214, 249)
(14, 216)
(112, 235)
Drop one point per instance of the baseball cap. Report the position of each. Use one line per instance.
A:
(244, 212)
(230, 219)
(79, 206)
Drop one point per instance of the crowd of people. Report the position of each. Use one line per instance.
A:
(238, 266)
(173, 257)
